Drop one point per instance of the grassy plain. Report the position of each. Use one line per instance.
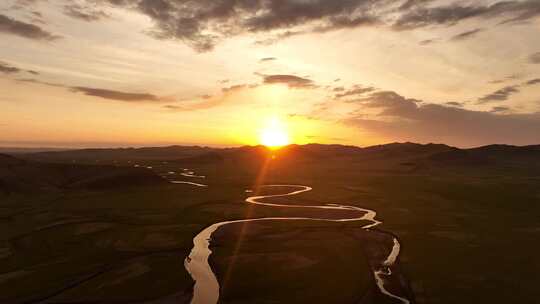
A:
(468, 234)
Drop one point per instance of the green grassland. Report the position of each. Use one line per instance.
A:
(468, 234)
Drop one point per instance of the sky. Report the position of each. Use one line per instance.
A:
(104, 73)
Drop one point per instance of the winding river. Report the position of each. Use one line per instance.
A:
(206, 289)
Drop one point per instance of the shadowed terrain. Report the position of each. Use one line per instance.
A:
(106, 226)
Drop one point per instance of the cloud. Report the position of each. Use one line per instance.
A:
(290, 80)
(356, 90)
(505, 79)
(266, 59)
(466, 35)
(454, 13)
(26, 30)
(500, 95)
(35, 81)
(427, 41)
(9, 69)
(454, 104)
(533, 81)
(391, 103)
(102, 93)
(195, 105)
(500, 109)
(116, 95)
(204, 23)
(206, 101)
(237, 88)
(535, 58)
(413, 3)
(407, 120)
(84, 13)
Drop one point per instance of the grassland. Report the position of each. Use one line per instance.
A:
(469, 235)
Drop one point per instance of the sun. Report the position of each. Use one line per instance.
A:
(274, 135)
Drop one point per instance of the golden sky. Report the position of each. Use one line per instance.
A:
(93, 73)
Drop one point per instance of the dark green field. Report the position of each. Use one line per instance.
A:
(469, 233)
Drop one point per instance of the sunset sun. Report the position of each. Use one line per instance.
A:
(274, 135)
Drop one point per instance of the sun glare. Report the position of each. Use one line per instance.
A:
(274, 135)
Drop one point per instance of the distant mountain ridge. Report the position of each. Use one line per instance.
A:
(102, 168)
(438, 154)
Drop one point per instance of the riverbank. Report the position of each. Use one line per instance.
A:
(209, 290)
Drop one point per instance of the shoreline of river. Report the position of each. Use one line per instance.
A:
(207, 287)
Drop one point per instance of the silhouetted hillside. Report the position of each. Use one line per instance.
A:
(412, 155)
(8, 160)
(28, 176)
(406, 150)
(91, 155)
(490, 155)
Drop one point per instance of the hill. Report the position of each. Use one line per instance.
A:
(118, 154)
(18, 175)
(393, 155)
(490, 155)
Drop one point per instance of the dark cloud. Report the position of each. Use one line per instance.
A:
(455, 104)
(466, 35)
(116, 95)
(238, 87)
(266, 59)
(102, 93)
(26, 30)
(500, 109)
(290, 80)
(406, 119)
(391, 103)
(85, 13)
(533, 81)
(23, 4)
(204, 23)
(453, 13)
(427, 41)
(201, 24)
(36, 81)
(413, 3)
(443, 15)
(505, 79)
(355, 91)
(342, 22)
(500, 95)
(535, 58)
(8, 69)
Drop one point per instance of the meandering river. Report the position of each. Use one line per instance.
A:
(206, 289)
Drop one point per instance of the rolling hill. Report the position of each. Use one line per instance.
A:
(18, 175)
